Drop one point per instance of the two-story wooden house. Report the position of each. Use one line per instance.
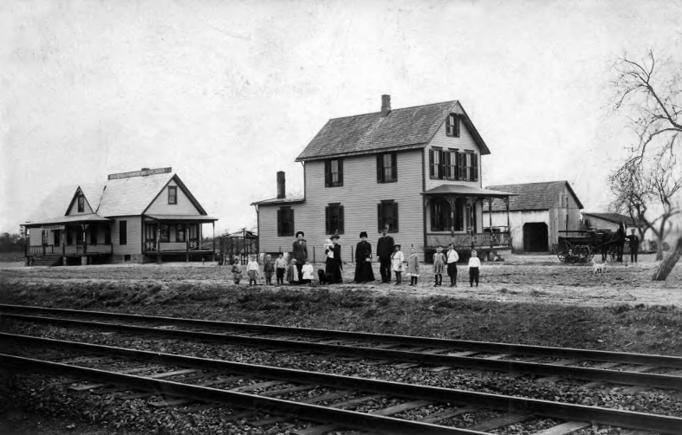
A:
(416, 169)
(138, 216)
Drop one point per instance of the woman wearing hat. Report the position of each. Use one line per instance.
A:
(299, 251)
(333, 264)
(363, 260)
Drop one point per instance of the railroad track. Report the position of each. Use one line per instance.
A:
(596, 366)
(335, 402)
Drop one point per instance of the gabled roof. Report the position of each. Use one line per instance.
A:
(128, 194)
(613, 217)
(532, 196)
(406, 128)
(131, 196)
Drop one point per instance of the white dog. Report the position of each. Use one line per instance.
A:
(598, 267)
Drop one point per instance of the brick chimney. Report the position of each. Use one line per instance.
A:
(281, 192)
(385, 104)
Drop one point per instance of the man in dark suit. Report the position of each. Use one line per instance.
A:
(384, 251)
(299, 251)
(634, 246)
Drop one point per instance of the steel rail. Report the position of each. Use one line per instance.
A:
(304, 411)
(479, 346)
(649, 380)
(513, 404)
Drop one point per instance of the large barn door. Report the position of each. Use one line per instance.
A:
(535, 237)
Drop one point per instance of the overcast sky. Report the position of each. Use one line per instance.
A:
(229, 92)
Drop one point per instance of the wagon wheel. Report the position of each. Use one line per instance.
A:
(582, 253)
(563, 253)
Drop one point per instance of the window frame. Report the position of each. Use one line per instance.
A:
(282, 222)
(443, 215)
(80, 203)
(93, 235)
(452, 128)
(172, 197)
(164, 233)
(180, 229)
(329, 174)
(339, 212)
(393, 227)
(392, 176)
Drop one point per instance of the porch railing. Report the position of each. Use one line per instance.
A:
(191, 245)
(69, 250)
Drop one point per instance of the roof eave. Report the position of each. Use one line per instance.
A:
(413, 146)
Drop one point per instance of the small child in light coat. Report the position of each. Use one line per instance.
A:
(413, 266)
(438, 266)
(308, 273)
(252, 270)
(236, 271)
(397, 259)
(474, 265)
(292, 273)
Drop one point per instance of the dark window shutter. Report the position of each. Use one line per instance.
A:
(394, 206)
(441, 164)
(474, 167)
(380, 168)
(394, 166)
(327, 173)
(327, 224)
(340, 172)
(341, 229)
(431, 163)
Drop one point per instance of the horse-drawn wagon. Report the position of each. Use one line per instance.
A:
(580, 246)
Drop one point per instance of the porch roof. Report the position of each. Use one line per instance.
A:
(71, 219)
(180, 218)
(462, 189)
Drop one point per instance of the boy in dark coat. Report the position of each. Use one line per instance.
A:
(384, 252)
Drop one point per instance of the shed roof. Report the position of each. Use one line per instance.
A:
(405, 128)
(613, 217)
(533, 196)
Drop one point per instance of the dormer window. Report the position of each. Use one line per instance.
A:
(81, 203)
(452, 125)
(172, 195)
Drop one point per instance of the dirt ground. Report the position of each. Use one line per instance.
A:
(519, 279)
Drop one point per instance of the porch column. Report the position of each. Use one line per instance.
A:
(490, 220)
(451, 201)
(186, 243)
(213, 241)
(506, 202)
(62, 240)
(84, 229)
(158, 242)
(27, 242)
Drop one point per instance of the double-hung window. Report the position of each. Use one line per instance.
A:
(333, 214)
(333, 172)
(285, 221)
(81, 203)
(172, 195)
(435, 166)
(387, 214)
(387, 168)
(452, 125)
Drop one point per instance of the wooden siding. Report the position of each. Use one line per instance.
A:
(134, 242)
(516, 221)
(463, 142)
(160, 204)
(359, 196)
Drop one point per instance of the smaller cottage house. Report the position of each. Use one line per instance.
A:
(608, 221)
(134, 216)
(537, 214)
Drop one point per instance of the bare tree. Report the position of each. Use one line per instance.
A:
(650, 92)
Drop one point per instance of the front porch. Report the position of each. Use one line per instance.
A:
(176, 237)
(454, 215)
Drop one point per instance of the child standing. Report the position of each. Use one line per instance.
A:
(413, 266)
(397, 259)
(474, 265)
(252, 270)
(280, 267)
(268, 268)
(438, 266)
(452, 257)
(292, 272)
(236, 270)
(308, 273)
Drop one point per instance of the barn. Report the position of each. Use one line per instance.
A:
(537, 214)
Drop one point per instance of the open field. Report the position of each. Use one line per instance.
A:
(526, 299)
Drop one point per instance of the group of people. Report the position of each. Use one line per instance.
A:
(618, 240)
(299, 270)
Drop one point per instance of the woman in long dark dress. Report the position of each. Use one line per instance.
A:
(363, 260)
(333, 263)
